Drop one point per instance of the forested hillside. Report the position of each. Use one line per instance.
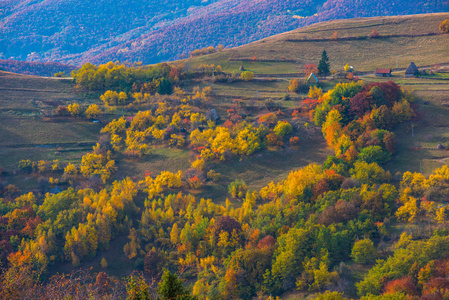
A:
(290, 234)
(189, 180)
(99, 31)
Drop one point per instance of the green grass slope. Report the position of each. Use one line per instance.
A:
(27, 130)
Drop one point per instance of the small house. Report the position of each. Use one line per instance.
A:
(383, 72)
(412, 70)
(312, 80)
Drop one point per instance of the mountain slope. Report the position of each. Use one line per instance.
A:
(72, 31)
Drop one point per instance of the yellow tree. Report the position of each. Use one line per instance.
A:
(315, 92)
(74, 109)
(70, 169)
(247, 75)
(174, 234)
(110, 98)
(92, 111)
(115, 126)
(103, 263)
(444, 26)
(332, 128)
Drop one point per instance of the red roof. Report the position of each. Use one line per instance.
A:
(383, 71)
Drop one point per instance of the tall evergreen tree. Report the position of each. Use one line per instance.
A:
(170, 288)
(323, 65)
(165, 86)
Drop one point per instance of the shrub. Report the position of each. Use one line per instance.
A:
(328, 295)
(274, 140)
(26, 165)
(214, 176)
(298, 86)
(444, 26)
(294, 141)
(363, 251)
(62, 110)
(283, 128)
(374, 34)
(272, 105)
(237, 188)
(247, 75)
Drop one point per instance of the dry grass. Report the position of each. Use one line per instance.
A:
(364, 54)
(418, 152)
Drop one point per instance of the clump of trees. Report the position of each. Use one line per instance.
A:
(298, 86)
(121, 77)
(206, 50)
(355, 119)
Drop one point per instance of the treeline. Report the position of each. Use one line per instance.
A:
(116, 76)
(206, 50)
(121, 77)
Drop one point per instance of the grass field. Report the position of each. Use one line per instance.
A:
(401, 39)
(27, 131)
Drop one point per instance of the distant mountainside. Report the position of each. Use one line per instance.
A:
(74, 32)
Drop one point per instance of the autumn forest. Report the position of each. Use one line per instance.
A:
(194, 182)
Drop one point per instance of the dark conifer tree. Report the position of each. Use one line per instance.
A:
(171, 288)
(323, 65)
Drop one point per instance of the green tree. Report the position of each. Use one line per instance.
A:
(328, 295)
(237, 188)
(369, 173)
(165, 87)
(283, 128)
(323, 65)
(373, 154)
(170, 288)
(363, 251)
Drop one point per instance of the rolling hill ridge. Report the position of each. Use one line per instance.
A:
(75, 32)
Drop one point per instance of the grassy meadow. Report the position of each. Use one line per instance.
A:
(402, 39)
(28, 131)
